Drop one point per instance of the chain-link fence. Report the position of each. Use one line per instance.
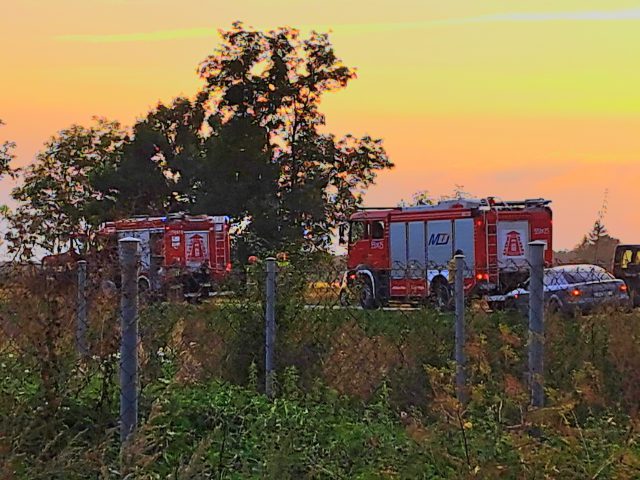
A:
(76, 334)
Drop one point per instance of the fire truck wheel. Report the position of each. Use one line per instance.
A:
(343, 298)
(367, 296)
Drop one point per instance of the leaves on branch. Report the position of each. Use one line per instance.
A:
(252, 144)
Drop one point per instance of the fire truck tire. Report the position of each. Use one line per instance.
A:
(367, 296)
(343, 298)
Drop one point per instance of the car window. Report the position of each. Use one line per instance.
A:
(584, 275)
(627, 257)
(636, 260)
(604, 276)
(578, 276)
(554, 278)
(597, 274)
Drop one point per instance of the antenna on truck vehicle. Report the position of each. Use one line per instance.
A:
(600, 222)
(605, 205)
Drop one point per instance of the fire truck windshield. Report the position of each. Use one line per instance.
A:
(357, 231)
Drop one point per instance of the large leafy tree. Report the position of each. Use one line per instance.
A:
(278, 80)
(250, 145)
(57, 200)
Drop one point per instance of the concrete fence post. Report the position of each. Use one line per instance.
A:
(536, 323)
(81, 309)
(129, 262)
(461, 379)
(270, 327)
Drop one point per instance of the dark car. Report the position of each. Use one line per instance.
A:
(573, 289)
(626, 266)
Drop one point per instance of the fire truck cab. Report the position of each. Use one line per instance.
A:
(405, 253)
(191, 250)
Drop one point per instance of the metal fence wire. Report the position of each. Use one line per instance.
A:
(72, 331)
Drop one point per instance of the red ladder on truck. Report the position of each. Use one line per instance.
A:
(492, 250)
(219, 239)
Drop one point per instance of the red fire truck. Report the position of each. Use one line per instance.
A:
(405, 253)
(191, 250)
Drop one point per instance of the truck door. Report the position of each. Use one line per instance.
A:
(627, 259)
(196, 248)
(513, 243)
(377, 254)
(358, 243)
(626, 267)
(398, 260)
(416, 259)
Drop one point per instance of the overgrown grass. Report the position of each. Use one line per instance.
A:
(359, 394)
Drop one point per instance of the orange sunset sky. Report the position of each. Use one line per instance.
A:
(511, 99)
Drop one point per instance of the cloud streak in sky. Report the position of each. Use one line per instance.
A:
(360, 28)
(589, 15)
(158, 35)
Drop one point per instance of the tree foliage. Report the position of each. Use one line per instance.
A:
(57, 197)
(597, 247)
(597, 232)
(160, 164)
(6, 155)
(238, 178)
(251, 144)
(424, 197)
(278, 79)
